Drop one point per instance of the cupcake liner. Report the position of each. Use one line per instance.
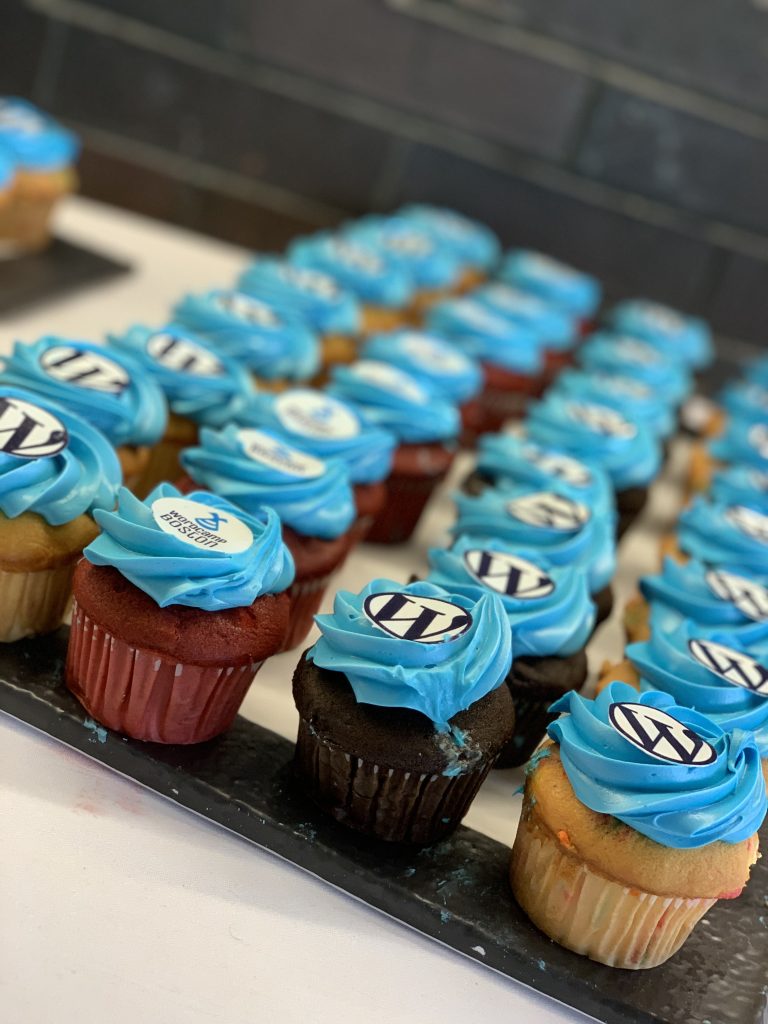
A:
(147, 696)
(377, 319)
(389, 803)
(33, 602)
(306, 597)
(531, 720)
(407, 497)
(590, 913)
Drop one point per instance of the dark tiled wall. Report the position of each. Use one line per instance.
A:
(630, 138)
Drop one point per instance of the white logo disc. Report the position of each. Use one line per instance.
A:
(269, 451)
(313, 414)
(562, 467)
(547, 509)
(390, 378)
(508, 574)
(749, 597)
(633, 350)
(660, 735)
(201, 526)
(29, 432)
(758, 438)
(433, 355)
(601, 419)
(183, 355)
(734, 666)
(248, 309)
(753, 524)
(84, 369)
(426, 620)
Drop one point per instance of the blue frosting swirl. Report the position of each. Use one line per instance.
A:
(634, 357)
(252, 331)
(34, 140)
(487, 336)
(596, 433)
(172, 570)
(548, 607)
(708, 597)
(576, 292)
(107, 388)
(665, 663)
(308, 293)
(205, 386)
(390, 398)
(685, 339)
(741, 485)
(438, 679)
(473, 243)
(553, 326)
(731, 537)
(310, 495)
(583, 540)
(676, 805)
(356, 266)
(748, 399)
(429, 360)
(328, 428)
(407, 247)
(82, 476)
(743, 442)
(509, 459)
(626, 394)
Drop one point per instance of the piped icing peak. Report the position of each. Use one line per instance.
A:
(428, 359)
(52, 462)
(556, 282)
(627, 355)
(416, 646)
(107, 388)
(196, 550)
(471, 241)
(553, 326)
(744, 442)
(626, 394)
(486, 335)
(686, 339)
(356, 266)
(667, 771)
(731, 537)
(409, 247)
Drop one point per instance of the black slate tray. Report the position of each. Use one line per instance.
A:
(40, 276)
(455, 892)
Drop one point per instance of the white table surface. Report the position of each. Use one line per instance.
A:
(118, 906)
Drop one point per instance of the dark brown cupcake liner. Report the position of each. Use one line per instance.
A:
(146, 696)
(532, 717)
(388, 803)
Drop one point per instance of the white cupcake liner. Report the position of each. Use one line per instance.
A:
(33, 602)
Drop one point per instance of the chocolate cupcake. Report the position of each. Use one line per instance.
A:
(571, 290)
(426, 428)
(177, 604)
(551, 618)
(568, 533)
(474, 245)
(276, 348)
(104, 387)
(402, 708)
(312, 497)
(626, 449)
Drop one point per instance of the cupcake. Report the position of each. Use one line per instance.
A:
(435, 363)
(402, 708)
(425, 427)
(568, 533)
(277, 349)
(55, 470)
(383, 289)
(7, 191)
(575, 292)
(634, 398)
(626, 356)
(600, 435)
(684, 339)
(201, 387)
(331, 311)
(636, 820)
(474, 244)
(177, 603)
(329, 428)
(710, 671)
(740, 485)
(556, 330)
(748, 399)
(709, 597)
(312, 497)
(107, 388)
(435, 270)
(509, 353)
(551, 618)
(43, 154)
(733, 537)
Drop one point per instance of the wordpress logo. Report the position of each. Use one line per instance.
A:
(660, 735)
(85, 369)
(29, 432)
(734, 666)
(426, 620)
(549, 510)
(749, 597)
(508, 574)
(183, 356)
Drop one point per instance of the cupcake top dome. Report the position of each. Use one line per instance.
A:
(199, 383)
(568, 532)
(327, 427)
(33, 140)
(428, 359)
(635, 398)
(107, 388)
(409, 247)
(416, 646)
(741, 485)
(311, 294)
(548, 607)
(633, 357)
(598, 434)
(357, 266)
(682, 338)
(391, 398)
(52, 462)
(252, 468)
(552, 325)
(733, 537)
(252, 331)
(748, 399)
(667, 771)
(574, 291)
(710, 671)
(196, 550)
(486, 335)
(472, 242)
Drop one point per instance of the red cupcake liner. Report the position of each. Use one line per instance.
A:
(306, 597)
(505, 396)
(407, 497)
(147, 696)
